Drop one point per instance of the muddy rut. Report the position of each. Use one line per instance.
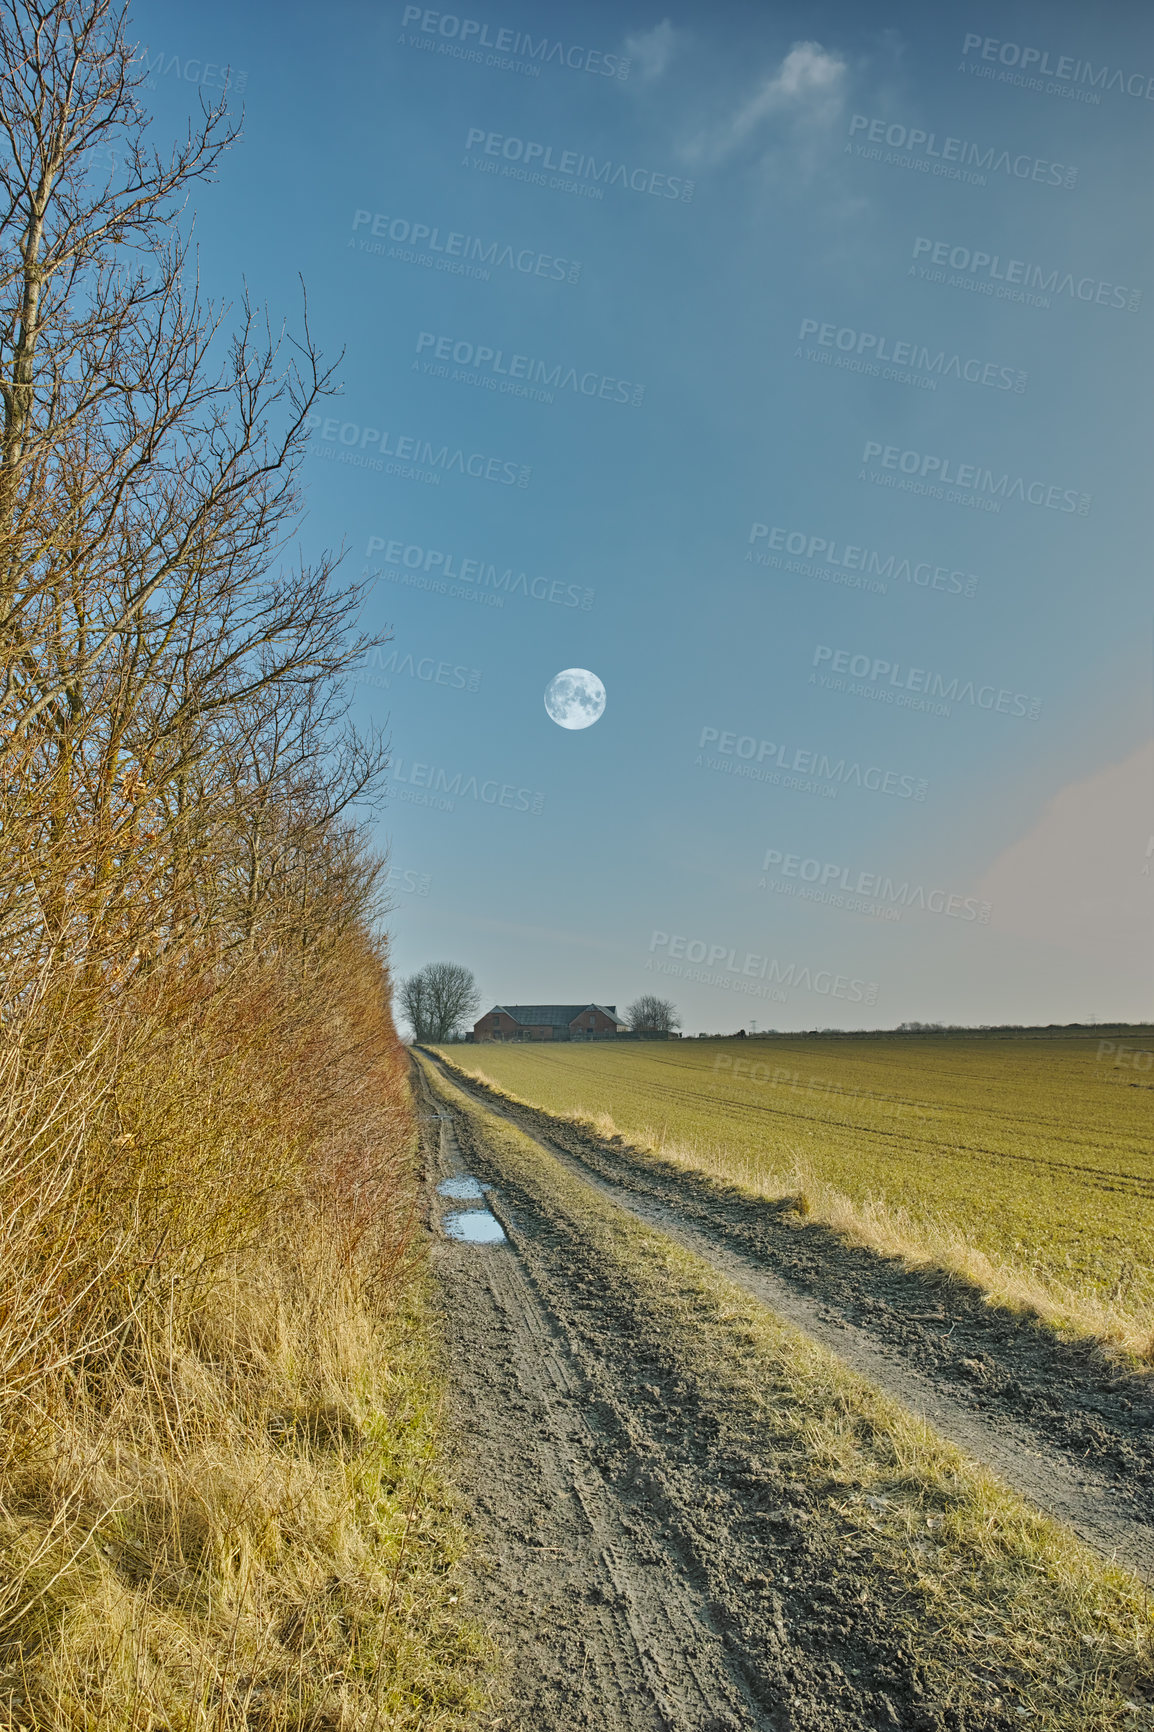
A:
(603, 1632)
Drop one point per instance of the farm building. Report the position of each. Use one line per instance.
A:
(548, 1022)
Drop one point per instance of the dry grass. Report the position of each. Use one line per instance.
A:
(221, 1502)
(924, 1240)
(920, 1238)
(1006, 1608)
(927, 1241)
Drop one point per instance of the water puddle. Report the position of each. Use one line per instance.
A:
(469, 1226)
(474, 1227)
(461, 1189)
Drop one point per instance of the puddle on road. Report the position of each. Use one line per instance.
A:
(474, 1227)
(461, 1189)
(470, 1226)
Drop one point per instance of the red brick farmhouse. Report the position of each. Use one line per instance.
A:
(549, 1022)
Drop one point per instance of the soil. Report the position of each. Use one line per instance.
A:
(642, 1559)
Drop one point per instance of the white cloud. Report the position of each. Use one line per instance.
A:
(650, 51)
(1082, 877)
(806, 91)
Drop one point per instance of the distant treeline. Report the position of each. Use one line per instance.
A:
(1037, 1031)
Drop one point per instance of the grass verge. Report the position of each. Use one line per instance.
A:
(222, 1498)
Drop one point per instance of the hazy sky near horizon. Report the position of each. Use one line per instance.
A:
(789, 369)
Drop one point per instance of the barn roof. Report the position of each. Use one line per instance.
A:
(551, 1015)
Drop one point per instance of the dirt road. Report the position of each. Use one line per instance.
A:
(645, 1564)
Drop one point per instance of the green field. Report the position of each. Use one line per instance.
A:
(1025, 1161)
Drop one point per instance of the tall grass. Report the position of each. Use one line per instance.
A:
(220, 1503)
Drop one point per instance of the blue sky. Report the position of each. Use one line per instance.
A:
(799, 347)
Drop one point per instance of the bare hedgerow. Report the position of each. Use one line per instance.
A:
(220, 1503)
(167, 678)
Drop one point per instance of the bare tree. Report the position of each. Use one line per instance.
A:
(439, 1000)
(454, 997)
(651, 1015)
(413, 998)
(164, 682)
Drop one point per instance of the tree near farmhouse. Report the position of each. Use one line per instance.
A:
(651, 1015)
(439, 1000)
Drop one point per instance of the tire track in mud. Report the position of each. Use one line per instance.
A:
(646, 1656)
(606, 1626)
(1062, 1425)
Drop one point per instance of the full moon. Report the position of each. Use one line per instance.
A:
(575, 698)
